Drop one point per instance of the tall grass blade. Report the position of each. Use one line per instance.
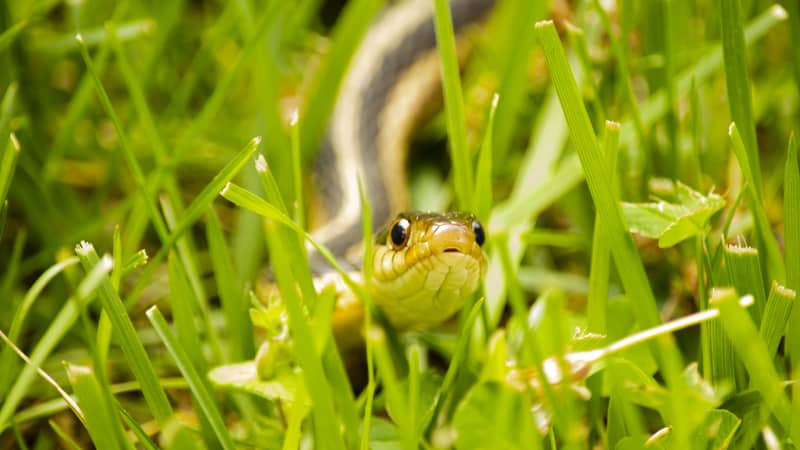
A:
(734, 50)
(744, 271)
(197, 384)
(129, 340)
(8, 164)
(325, 418)
(597, 298)
(235, 304)
(596, 170)
(454, 103)
(768, 245)
(100, 415)
(791, 238)
(776, 315)
(752, 351)
(59, 326)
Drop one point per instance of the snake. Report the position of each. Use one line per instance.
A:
(424, 264)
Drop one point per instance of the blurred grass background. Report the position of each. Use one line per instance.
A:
(189, 84)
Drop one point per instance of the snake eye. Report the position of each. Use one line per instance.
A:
(399, 233)
(480, 235)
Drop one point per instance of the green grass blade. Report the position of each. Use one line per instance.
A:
(297, 251)
(776, 315)
(93, 37)
(297, 172)
(97, 405)
(7, 108)
(456, 366)
(391, 384)
(768, 245)
(3, 216)
(454, 104)
(722, 357)
(21, 313)
(68, 440)
(7, 165)
(596, 170)
(597, 301)
(325, 418)
(752, 351)
(791, 237)
(734, 51)
(482, 196)
(744, 271)
(791, 198)
(141, 435)
(623, 249)
(235, 303)
(53, 406)
(626, 87)
(59, 326)
(8, 36)
(512, 41)
(196, 383)
(181, 302)
(189, 259)
(132, 346)
(366, 239)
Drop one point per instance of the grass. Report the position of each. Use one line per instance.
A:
(127, 137)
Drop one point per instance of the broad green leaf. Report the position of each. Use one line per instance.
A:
(244, 377)
(673, 221)
(492, 416)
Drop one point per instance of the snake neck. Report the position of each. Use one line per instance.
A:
(393, 84)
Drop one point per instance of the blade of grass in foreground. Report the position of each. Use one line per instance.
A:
(196, 383)
(325, 418)
(128, 339)
(594, 166)
(767, 242)
(623, 249)
(366, 239)
(744, 271)
(791, 235)
(752, 351)
(100, 416)
(776, 315)
(453, 103)
(58, 328)
(600, 271)
(21, 313)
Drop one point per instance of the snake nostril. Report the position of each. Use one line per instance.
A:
(452, 250)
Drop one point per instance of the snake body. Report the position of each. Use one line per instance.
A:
(425, 264)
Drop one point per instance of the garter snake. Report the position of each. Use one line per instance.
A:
(424, 264)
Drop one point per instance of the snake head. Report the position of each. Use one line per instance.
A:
(425, 265)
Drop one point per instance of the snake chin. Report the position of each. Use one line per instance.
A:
(431, 291)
